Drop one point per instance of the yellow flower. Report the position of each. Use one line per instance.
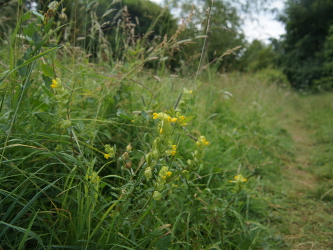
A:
(182, 118)
(169, 174)
(55, 83)
(173, 152)
(174, 120)
(174, 147)
(106, 156)
(205, 142)
(169, 119)
(202, 140)
(155, 116)
(161, 130)
(239, 179)
(184, 124)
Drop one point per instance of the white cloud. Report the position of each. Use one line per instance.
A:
(263, 26)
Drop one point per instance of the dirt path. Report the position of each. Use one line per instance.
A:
(307, 220)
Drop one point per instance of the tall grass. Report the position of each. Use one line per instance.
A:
(91, 158)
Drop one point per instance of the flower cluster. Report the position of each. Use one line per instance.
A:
(163, 146)
(199, 153)
(239, 181)
(167, 122)
(62, 96)
(94, 180)
(110, 152)
(187, 95)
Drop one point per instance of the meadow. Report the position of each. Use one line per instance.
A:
(102, 154)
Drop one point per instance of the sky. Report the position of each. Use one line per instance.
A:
(261, 26)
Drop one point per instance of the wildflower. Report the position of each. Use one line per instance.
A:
(66, 123)
(129, 147)
(161, 130)
(239, 179)
(155, 116)
(94, 178)
(184, 124)
(63, 15)
(163, 172)
(55, 83)
(110, 152)
(172, 151)
(174, 120)
(169, 173)
(206, 142)
(202, 141)
(182, 118)
(160, 184)
(169, 119)
(148, 173)
(157, 195)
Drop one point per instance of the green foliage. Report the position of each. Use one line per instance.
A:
(214, 30)
(8, 19)
(111, 156)
(325, 82)
(258, 56)
(307, 27)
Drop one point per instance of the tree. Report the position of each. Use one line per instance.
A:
(220, 23)
(258, 56)
(307, 24)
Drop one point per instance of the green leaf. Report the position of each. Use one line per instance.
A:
(27, 62)
(22, 71)
(47, 70)
(28, 232)
(188, 119)
(123, 114)
(35, 12)
(48, 25)
(25, 231)
(48, 82)
(145, 115)
(26, 208)
(26, 16)
(29, 30)
(36, 38)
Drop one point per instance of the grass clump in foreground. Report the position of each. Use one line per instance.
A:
(123, 160)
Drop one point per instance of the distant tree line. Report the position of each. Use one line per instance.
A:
(120, 29)
(307, 47)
